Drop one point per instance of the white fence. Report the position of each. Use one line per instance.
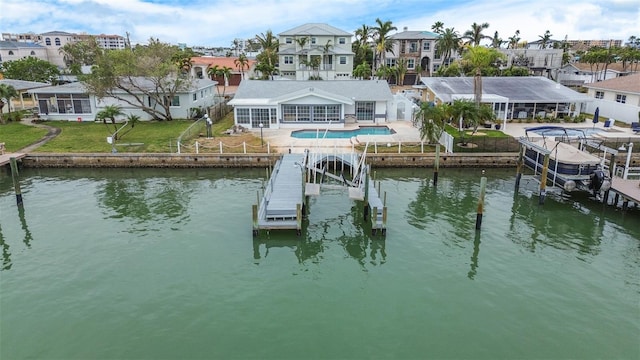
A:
(615, 110)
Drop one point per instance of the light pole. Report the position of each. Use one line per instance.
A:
(261, 139)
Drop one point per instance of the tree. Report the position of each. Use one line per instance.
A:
(477, 58)
(110, 112)
(545, 39)
(7, 92)
(31, 69)
(220, 73)
(242, 62)
(496, 41)
(400, 70)
(447, 43)
(474, 36)
(268, 58)
(146, 77)
(363, 70)
(382, 40)
(183, 59)
(514, 40)
(437, 27)
(361, 46)
(464, 112)
(325, 55)
(432, 120)
(81, 53)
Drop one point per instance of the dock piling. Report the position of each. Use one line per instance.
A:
(436, 165)
(543, 179)
(519, 166)
(483, 185)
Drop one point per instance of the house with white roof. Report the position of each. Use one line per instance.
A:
(617, 98)
(517, 97)
(312, 104)
(25, 99)
(72, 102)
(325, 53)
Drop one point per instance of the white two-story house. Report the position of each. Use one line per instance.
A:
(315, 51)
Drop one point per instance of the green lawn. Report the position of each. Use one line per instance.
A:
(155, 137)
(16, 135)
(453, 131)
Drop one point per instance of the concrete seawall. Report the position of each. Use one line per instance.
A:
(135, 160)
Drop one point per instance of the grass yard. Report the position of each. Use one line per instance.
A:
(16, 135)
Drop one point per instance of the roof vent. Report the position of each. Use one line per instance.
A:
(405, 28)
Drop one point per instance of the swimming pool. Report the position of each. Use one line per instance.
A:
(571, 132)
(342, 134)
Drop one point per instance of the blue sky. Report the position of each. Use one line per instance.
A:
(217, 23)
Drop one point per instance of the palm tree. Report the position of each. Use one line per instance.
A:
(363, 70)
(7, 92)
(474, 36)
(496, 41)
(268, 58)
(383, 43)
(363, 34)
(545, 38)
(466, 113)
(437, 27)
(400, 70)
(220, 72)
(514, 40)
(447, 43)
(110, 112)
(432, 121)
(478, 58)
(325, 56)
(242, 62)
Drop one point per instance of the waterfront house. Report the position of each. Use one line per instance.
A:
(201, 64)
(518, 97)
(617, 98)
(315, 51)
(72, 102)
(418, 51)
(311, 104)
(25, 99)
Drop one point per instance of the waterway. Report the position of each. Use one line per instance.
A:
(161, 264)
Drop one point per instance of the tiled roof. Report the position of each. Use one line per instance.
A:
(220, 61)
(415, 35)
(18, 45)
(629, 83)
(583, 66)
(315, 29)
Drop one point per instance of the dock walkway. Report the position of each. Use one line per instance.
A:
(295, 177)
(6, 157)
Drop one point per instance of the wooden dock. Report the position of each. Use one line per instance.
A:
(6, 157)
(628, 189)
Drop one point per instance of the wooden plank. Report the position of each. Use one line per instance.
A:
(5, 158)
(627, 188)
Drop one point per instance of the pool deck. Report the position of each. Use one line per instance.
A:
(406, 132)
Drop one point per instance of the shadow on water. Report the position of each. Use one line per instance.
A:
(6, 254)
(346, 230)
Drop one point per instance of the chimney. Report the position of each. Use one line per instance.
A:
(405, 28)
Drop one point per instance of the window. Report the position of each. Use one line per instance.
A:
(599, 94)
(411, 63)
(195, 96)
(310, 113)
(365, 110)
(342, 41)
(10, 52)
(621, 98)
(288, 40)
(426, 46)
(175, 101)
(33, 53)
(260, 116)
(288, 59)
(343, 60)
(413, 46)
(242, 116)
(47, 41)
(64, 104)
(390, 62)
(57, 41)
(313, 41)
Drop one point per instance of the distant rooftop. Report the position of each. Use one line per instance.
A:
(315, 29)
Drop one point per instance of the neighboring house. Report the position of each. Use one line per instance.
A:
(53, 41)
(26, 100)
(16, 50)
(541, 62)
(517, 97)
(579, 73)
(311, 104)
(418, 49)
(326, 53)
(617, 98)
(71, 102)
(201, 64)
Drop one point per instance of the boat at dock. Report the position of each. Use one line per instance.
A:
(563, 153)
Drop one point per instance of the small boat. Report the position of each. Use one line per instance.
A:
(570, 166)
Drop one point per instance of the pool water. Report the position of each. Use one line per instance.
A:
(341, 134)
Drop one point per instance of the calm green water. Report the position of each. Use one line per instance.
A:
(161, 264)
